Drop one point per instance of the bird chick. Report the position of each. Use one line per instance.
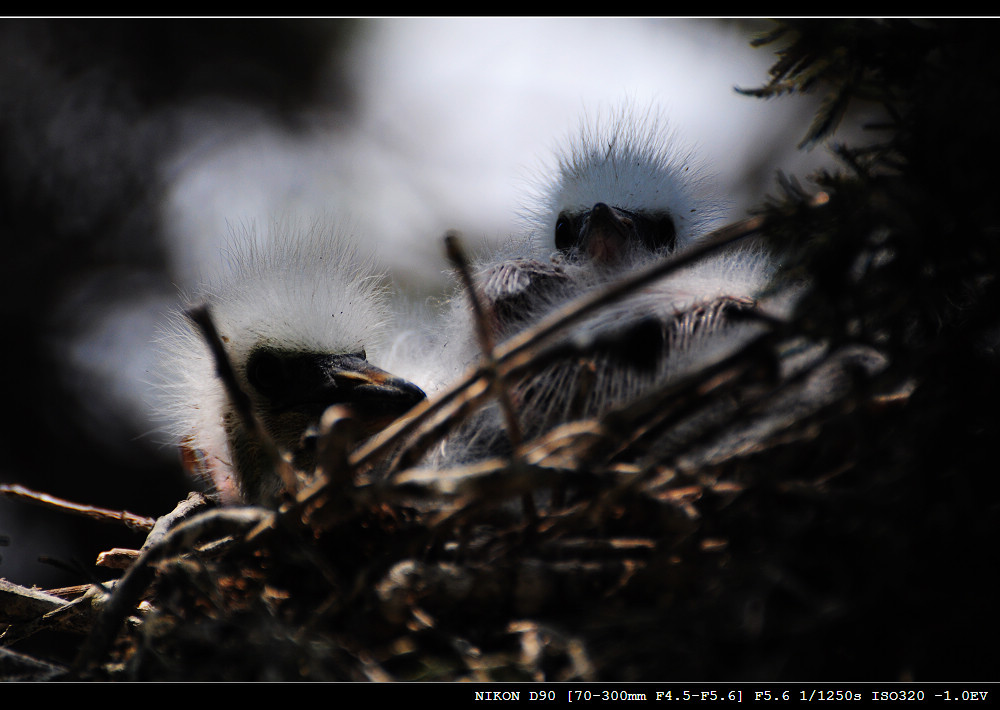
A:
(620, 187)
(621, 198)
(299, 314)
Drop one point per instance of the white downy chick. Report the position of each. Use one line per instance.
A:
(302, 317)
(622, 197)
(621, 186)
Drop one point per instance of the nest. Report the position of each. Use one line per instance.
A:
(586, 554)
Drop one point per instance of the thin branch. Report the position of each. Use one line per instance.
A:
(524, 352)
(134, 582)
(104, 515)
(456, 256)
(508, 354)
(202, 318)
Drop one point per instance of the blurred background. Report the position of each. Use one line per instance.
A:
(129, 147)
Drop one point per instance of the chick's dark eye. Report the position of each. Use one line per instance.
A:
(660, 233)
(267, 372)
(565, 236)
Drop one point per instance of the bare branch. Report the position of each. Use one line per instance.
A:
(104, 515)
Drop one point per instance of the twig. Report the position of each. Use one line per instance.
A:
(202, 318)
(456, 255)
(339, 431)
(28, 611)
(104, 515)
(133, 583)
(117, 558)
(521, 353)
(509, 355)
(446, 419)
(19, 603)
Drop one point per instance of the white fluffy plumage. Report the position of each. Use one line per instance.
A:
(286, 290)
(629, 159)
(622, 179)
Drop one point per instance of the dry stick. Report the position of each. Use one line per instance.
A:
(456, 255)
(669, 402)
(757, 405)
(202, 318)
(133, 521)
(720, 376)
(134, 582)
(656, 411)
(516, 354)
(628, 420)
(507, 353)
(468, 400)
(738, 368)
(585, 305)
(659, 411)
(338, 435)
(460, 409)
(461, 402)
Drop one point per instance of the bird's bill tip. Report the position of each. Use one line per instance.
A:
(375, 395)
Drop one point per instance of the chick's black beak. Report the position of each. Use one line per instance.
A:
(605, 233)
(311, 382)
(372, 393)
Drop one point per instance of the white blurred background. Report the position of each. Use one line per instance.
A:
(134, 150)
